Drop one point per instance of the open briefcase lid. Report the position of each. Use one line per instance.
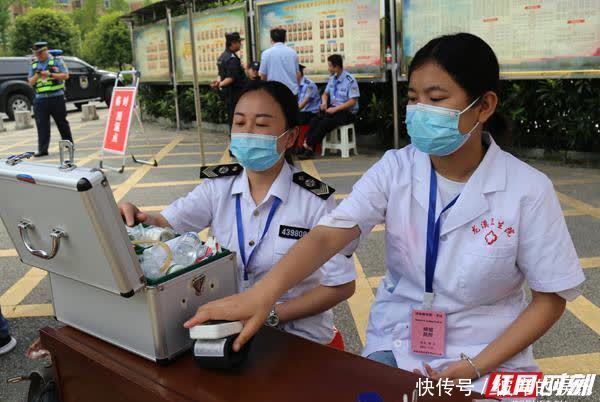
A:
(66, 221)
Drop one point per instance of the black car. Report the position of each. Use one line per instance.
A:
(86, 83)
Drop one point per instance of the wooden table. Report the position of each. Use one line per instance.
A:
(280, 368)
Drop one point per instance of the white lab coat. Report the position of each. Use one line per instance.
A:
(506, 228)
(212, 204)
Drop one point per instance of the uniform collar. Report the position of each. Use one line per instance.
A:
(280, 187)
(342, 75)
(489, 177)
(278, 44)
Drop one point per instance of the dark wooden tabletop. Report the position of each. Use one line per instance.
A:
(280, 367)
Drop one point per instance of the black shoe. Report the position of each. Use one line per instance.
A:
(40, 154)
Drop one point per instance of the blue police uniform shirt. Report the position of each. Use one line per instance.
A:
(343, 88)
(62, 68)
(280, 63)
(308, 88)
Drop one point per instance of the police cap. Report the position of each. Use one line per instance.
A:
(38, 46)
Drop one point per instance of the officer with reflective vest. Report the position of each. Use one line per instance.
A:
(47, 76)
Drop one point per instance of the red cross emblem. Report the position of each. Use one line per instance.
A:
(491, 238)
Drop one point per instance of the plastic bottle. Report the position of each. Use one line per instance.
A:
(186, 249)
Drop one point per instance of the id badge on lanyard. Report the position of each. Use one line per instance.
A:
(428, 325)
(247, 278)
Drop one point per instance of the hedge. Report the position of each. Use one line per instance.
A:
(549, 114)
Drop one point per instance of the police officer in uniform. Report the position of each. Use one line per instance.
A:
(47, 76)
(232, 77)
(339, 105)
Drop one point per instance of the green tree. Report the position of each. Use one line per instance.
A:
(41, 24)
(4, 25)
(109, 44)
(90, 12)
(43, 3)
(119, 6)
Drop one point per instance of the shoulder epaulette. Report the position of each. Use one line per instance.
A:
(212, 172)
(313, 185)
(350, 78)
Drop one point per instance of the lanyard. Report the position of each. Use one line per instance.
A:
(433, 238)
(240, 232)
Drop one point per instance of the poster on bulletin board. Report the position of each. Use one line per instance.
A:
(210, 28)
(319, 28)
(532, 39)
(151, 52)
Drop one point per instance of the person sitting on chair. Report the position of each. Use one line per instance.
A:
(308, 98)
(339, 105)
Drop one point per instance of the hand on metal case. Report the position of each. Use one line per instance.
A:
(132, 214)
(331, 110)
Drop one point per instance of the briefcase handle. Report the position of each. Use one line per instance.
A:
(55, 234)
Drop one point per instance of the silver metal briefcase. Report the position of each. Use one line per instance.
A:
(65, 220)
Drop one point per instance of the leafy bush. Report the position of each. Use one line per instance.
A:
(108, 44)
(42, 24)
(550, 114)
(159, 101)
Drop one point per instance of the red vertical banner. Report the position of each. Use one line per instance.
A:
(119, 120)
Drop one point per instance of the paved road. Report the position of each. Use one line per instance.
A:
(572, 346)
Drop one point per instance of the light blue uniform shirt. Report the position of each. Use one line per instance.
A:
(62, 68)
(309, 89)
(343, 88)
(280, 63)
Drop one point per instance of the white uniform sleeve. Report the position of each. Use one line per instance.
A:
(546, 254)
(339, 269)
(192, 213)
(366, 205)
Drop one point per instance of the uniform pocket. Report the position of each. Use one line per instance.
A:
(488, 274)
(282, 246)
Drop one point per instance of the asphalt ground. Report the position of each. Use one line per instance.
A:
(571, 346)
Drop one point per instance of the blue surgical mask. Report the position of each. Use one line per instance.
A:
(256, 152)
(434, 129)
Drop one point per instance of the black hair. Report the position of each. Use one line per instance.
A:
(336, 60)
(471, 62)
(284, 98)
(278, 35)
(231, 41)
(301, 68)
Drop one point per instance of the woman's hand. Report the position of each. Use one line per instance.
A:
(251, 308)
(455, 371)
(133, 215)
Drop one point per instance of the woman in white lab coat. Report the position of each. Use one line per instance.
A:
(467, 224)
(261, 208)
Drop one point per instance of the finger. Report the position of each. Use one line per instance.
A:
(430, 372)
(223, 309)
(141, 217)
(417, 371)
(200, 318)
(250, 328)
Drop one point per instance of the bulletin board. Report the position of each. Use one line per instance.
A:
(319, 28)
(543, 38)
